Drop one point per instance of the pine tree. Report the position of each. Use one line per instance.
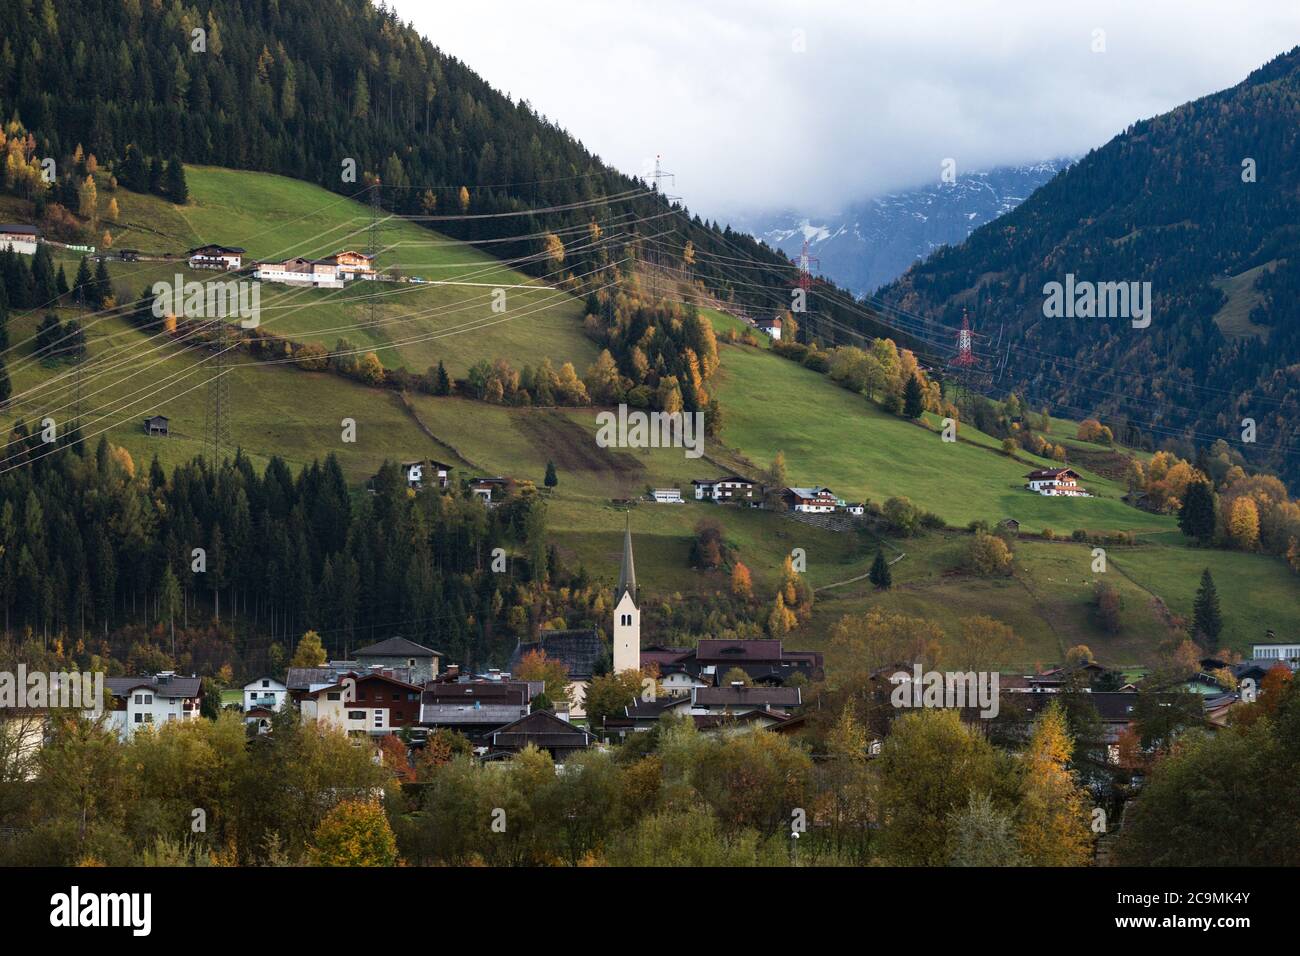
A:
(155, 182)
(1196, 517)
(176, 189)
(880, 574)
(83, 287)
(1207, 621)
(551, 479)
(913, 398)
(442, 384)
(103, 295)
(134, 175)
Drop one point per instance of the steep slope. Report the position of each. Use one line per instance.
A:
(340, 93)
(1187, 201)
(873, 242)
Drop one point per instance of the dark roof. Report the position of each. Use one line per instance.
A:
(397, 647)
(746, 696)
(724, 652)
(487, 692)
(213, 247)
(14, 228)
(1050, 473)
(163, 687)
(578, 650)
(464, 713)
(627, 572)
(654, 709)
(541, 728)
(156, 418)
(387, 679)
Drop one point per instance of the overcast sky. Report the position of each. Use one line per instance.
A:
(759, 105)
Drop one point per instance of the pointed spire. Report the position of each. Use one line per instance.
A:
(626, 574)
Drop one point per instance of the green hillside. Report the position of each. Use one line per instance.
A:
(829, 435)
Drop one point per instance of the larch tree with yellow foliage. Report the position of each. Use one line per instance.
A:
(1243, 523)
(354, 833)
(1052, 820)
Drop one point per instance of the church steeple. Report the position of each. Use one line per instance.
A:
(627, 574)
(627, 618)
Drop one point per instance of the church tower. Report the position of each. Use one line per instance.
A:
(627, 619)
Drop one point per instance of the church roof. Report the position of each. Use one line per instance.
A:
(627, 573)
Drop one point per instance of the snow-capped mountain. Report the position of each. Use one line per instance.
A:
(874, 241)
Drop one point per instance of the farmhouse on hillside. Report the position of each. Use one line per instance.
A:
(415, 476)
(19, 238)
(732, 488)
(667, 496)
(1056, 481)
(810, 500)
(354, 265)
(771, 326)
(321, 273)
(156, 426)
(225, 258)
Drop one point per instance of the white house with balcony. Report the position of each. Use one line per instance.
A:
(136, 702)
(265, 692)
(1056, 482)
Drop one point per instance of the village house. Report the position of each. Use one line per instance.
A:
(224, 258)
(810, 500)
(667, 496)
(157, 426)
(643, 715)
(856, 508)
(19, 238)
(1288, 652)
(136, 702)
(679, 670)
(540, 729)
(265, 692)
(414, 472)
(415, 662)
(476, 707)
(580, 651)
(731, 488)
(1056, 482)
(374, 704)
(354, 265)
(321, 273)
(737, 699)
(486, 488)
(764, 661)
(770, 326)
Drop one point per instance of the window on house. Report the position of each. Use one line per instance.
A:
(266, 683)
(333, 695)
(148, 698)
(356, 715)
(397, 697)
(139, 718)
(139, 698)
(379, 718)
(148, 718)
(410, 662)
